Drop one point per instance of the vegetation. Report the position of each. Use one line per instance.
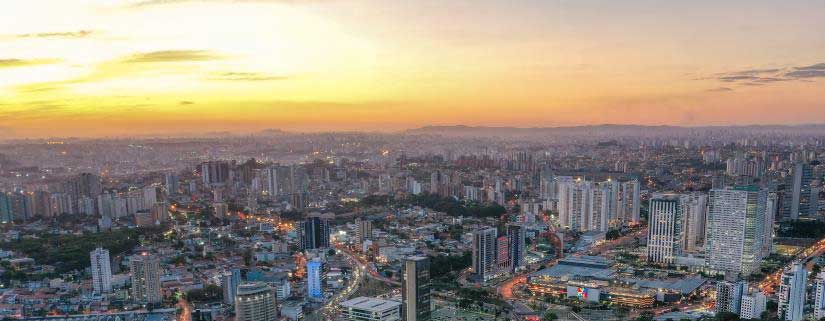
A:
(802, 229)
(209, 293)
(71, 252)
(449, 205)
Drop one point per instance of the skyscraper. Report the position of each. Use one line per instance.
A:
(215, 173)
(819, 299)
(801, 198)
(791, 293)
(665, 228)
(363, 230)
(629, 202)
(516, 236)
(735, 231)
(255, 302)
(314, 233)
(145, 270)
(753, 304)
(315, 279)
(230, 281)
(172, 183)
(484, 253)
(415, 289)
(729, 296)
(101, 271)
(694, 213)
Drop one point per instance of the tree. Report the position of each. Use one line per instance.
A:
(550, 316)
(727, 316)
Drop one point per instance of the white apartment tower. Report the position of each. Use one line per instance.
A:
(792, 293)
(735, 229)
(101, 271)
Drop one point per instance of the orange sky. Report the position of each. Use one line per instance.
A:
(103, 68)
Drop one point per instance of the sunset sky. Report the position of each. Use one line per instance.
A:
(139, 67)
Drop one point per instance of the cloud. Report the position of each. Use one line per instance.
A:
(757, 77)
(172, 56)
(186, 102)
(720, 89)
(246, 76)
(15, 62)
(149, 3)
(68, 34)
(812, 71)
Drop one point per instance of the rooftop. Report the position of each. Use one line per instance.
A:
(370, 304)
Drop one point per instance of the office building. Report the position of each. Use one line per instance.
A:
(517, 238)
(484, 254)
(801, 197)
(791, 293)
(101, 271)
(315, 279)
(255, 302)
(145, 270)
(415, 289)
(370, 309)
(230, 281)
(314, 233)
(735, 230)
(665, 228)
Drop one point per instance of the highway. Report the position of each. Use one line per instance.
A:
(330, 308)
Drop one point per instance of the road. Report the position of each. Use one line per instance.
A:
(185, 310)
(330, 308)
(364, 264)
(769, 284)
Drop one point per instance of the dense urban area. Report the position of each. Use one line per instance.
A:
(614, 223)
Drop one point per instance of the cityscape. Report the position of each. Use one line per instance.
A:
(360, 160)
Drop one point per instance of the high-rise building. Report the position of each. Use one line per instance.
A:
(753, 304)
(729, 296)
(6, 215)
(363, 230)
(629, 202)
(230, 281)
(791, 293)
(664, 237)
(735, 229)
(517, 238)
(315, 279)
(694, 211)
(255, 302)
(484, 254)
(771, 209)
(314, 233)
(819, 299)
(145, 270)
(101, 271)
(415, 289)
(503, 254)
(574, 205)
(215, 173)
(171, 183)
(370, 309)
(801, 197)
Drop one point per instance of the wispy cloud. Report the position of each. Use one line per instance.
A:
(16, 62)
(65, 34)
(757, 77)
(720, 89)
(172, 56)
(812, 71)
(246, 76)
(148, 3)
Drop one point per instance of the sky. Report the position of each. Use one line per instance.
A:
(85, 68)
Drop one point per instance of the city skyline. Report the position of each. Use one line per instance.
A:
(96, 68)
